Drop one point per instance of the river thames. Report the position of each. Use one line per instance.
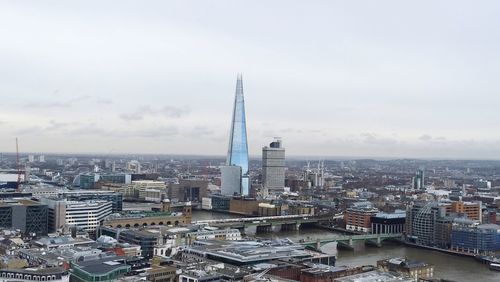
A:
(446, 266)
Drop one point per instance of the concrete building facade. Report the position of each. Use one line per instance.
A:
(273, 167)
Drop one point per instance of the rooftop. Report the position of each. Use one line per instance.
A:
(249, 252)
(101, 266)
(375, 276)
(19, 202)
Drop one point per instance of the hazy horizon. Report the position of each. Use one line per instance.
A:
(378, 79)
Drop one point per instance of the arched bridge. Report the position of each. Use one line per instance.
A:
(348, 240)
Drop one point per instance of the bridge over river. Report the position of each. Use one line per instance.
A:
(347, 241)
(268, 223)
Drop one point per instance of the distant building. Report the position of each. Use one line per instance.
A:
(273, 168)
(419, 180)
(359, 218)
(54, 274)
(115, 198)
(476, 239)
(415, 269)
(429, 223)
(388, 223)
(471, 209)
(89, 180)
(134, 166)
(188, 190)
(141, 219)
(243, 253)
(421, 222)
(230, 180)
(106, 269)
(220, 203)
(30, 217)
(145, 240)
(237, 154)
(85, 215)
(164, 273)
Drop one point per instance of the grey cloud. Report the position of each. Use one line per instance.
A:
(170, 111)
(57, 104)
(105, 101)
(373, 139)
(152, 132)
(132, 116)
(425, 137)
(166, 111)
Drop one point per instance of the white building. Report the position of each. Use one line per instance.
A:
(213, 233)
(86, 215)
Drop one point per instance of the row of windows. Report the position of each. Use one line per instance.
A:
(28, 277)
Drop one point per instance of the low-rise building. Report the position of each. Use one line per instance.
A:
(359, 218)
(107, 269)
(54, 274)
(388, 223)
(415, 269)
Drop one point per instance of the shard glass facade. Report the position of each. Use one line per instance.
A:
(237, 153)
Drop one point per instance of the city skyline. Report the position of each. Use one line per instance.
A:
(334, 79)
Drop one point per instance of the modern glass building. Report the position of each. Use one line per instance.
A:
(237, 154)
(478, 239)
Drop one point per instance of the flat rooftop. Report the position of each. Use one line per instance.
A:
(101, 266)
(375, 276)
(248, 252)
(19, 202)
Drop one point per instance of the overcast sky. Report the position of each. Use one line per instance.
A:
(332, 78)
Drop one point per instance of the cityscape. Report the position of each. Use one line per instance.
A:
(241, 210)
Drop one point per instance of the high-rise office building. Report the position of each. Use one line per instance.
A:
(419, 180)
(237, 154)
(30, 217)
(273, 167)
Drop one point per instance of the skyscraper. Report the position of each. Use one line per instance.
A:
(419, 180)
(237, 153)
(273, 167)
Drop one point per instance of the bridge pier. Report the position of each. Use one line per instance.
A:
(264, 229)
(374, 242)
(345, 246)
(290, 227)
(241, 229)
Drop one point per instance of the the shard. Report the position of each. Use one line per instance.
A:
(237, 154)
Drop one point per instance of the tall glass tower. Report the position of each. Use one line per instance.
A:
(237, 153)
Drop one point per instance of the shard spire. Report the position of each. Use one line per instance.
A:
(237, 153)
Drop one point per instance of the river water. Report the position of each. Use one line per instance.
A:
(445, 266)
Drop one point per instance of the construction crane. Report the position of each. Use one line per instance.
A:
(18, 167)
